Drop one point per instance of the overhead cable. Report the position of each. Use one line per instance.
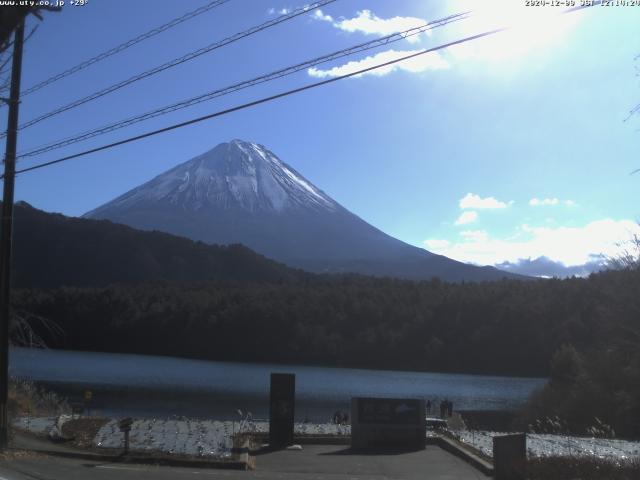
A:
(272, 97)
(245, 84)
(123, 46)
(175, 62)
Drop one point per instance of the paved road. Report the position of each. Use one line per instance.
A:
(313, 462)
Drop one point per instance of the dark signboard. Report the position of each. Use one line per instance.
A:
(509, 456)
(125, 424)
(282, 409)
(389, 411)
(387, 423)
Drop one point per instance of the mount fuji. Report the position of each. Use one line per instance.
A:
(240, 192)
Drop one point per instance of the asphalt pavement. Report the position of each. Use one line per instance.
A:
(327, 462)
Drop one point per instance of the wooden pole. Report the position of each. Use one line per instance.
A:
(6, 225)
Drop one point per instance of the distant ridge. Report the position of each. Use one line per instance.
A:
(52, 250)
(240, 192)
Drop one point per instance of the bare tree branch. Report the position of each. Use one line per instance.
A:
(24, 326)
(629, 256)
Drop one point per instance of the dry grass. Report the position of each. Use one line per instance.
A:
(83, 430)
(18, 454)
(26, 399)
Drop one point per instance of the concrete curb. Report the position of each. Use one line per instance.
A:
(319, 440)
(327, 439)
(459, 450)
(240, 459)
(241, 463)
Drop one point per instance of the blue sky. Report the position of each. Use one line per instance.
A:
(508, 148)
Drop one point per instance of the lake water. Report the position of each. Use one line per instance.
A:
(147, 386)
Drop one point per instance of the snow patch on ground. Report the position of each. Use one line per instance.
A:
(37, 425)
(544, 445)
(206, 438)
(212, 438)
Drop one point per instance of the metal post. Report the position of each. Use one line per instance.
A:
(6, 230)
(125, 427)
(126, 442)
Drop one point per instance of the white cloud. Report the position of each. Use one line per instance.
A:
(544, 267)
(421, 63)
(318, 15)
(467, 217)
(474, 235)
(279, 11)
(368, 23)
(536, 202)
(472, 200)
(569, 245)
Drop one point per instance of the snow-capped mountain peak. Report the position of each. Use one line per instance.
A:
(236, 174)
(240, 192)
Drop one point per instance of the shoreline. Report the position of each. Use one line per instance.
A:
(125, 384)
(277, 365)
(224, 405)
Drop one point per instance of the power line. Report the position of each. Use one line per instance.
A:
(125, 45)
(177, 61)
(6, 63)
(245, 84)
(254, 103)
(272, 97)
(635, 110)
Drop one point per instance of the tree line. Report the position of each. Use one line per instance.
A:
(508, 327)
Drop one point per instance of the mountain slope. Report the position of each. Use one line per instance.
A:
(240, 192)
(52, 250)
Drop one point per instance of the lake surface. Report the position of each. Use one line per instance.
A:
(147, 386)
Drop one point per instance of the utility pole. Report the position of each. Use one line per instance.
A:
(6, 225)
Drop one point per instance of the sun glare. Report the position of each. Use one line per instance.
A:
(529, 28)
